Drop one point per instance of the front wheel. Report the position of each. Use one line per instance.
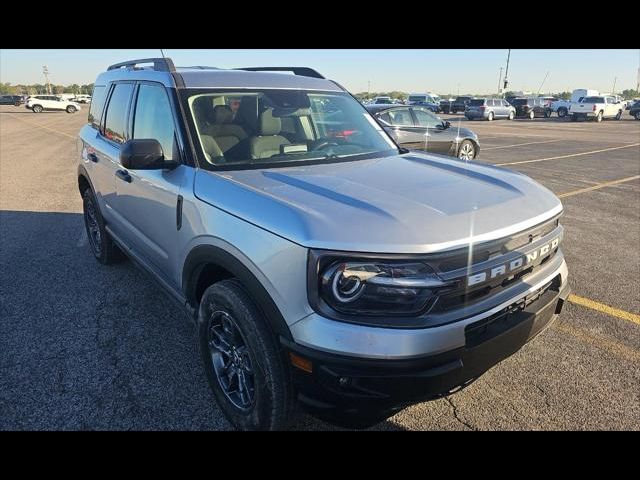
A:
(619, 115)
(547, 114)
(490, 117)
(511, 115)
(36, 109)
(637, 115)
(243, 363)
(574, 117)
(467, 150)
(71, 109)
(562, 112)
(599, 116)
(532, 114)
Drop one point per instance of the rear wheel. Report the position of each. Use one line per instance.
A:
(490, 117)
(36, 109)
(547, 113)
(562, 112)
(599, 116)
(619, 115)
(532, 114)
(511, 115)
(102, 246)
(467, 150)
(243, 363)
(637, 115)
(71, 109)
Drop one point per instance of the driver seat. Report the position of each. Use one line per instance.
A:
(268, 141)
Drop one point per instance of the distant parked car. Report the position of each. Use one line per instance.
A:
(15, 100)
(383, 101)
(634, 110)
(417, 128)
(532, 107)
(445, 105)
(489, 108)
(81, 99)
(459, 104)
(598, 108)
(38, 103)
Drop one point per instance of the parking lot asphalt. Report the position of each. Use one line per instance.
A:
(83, 346)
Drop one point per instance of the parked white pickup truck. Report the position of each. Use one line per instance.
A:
(561, 107)
(597, 107)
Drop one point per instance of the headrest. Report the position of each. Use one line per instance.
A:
(269, 125)
(247, 113)
(222, 114)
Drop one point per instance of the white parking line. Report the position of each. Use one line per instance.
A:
(522, 144)
(82, 241)
(568, 156)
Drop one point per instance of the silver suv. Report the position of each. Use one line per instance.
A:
(489, 109)
(323, 264)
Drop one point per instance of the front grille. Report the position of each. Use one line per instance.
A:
(458, 268)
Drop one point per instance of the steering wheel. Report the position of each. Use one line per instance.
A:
(325, 143)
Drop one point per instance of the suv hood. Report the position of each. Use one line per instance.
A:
(410, 203)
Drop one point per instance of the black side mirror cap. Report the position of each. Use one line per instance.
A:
(144, 154)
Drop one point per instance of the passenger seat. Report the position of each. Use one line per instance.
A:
(268, 141)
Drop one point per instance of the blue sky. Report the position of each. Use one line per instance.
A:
(442, 71)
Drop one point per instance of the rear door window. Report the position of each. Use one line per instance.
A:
(95, 112)
(115, 123)
(426, 119)
(153, 118)
(400, 117)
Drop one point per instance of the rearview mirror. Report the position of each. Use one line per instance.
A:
(144, 154)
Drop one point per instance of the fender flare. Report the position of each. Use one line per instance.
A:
(203, 254)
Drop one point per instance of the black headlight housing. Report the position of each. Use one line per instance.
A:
(371, 288)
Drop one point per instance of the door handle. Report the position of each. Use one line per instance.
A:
(123, 175)
(93, 157)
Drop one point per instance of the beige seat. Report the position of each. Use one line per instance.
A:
(226, 134)
(268, 141)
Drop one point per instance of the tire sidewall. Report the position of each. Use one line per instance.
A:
(36, 109)
(71, 109)
(266, 413)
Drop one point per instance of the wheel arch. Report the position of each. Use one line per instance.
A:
(206, 264)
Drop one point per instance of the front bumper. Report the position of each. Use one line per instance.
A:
(360, 391)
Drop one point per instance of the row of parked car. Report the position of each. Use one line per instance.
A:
(39, 103)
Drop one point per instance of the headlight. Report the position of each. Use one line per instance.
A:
(374, 287)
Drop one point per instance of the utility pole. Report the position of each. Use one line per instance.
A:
(544, 80)
(500, 81)
(615, 79)
(45, 70)
(506, 73)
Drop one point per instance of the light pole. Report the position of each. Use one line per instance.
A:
(45, 70)
(500, 81)
(506, 73)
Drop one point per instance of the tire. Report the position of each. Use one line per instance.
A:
(637, 115)
(490, 117)
(511, 115)
(71, 109)
(100, 242)
(547, 113)
(467, 150)
(228, 320)
(532, 115)
(599, 116)
(562, 112)
(36, 109)
(574, 118)
(619, 115)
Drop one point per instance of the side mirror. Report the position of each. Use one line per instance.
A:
(446, 124)
(144, 154)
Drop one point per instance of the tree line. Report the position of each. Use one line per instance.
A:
(35, 88)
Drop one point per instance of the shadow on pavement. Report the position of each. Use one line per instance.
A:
(87, 346)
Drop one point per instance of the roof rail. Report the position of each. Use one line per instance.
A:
(302, 71)
(163, 64)
(200, 67)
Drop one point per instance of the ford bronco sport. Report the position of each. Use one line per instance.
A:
(323, 265)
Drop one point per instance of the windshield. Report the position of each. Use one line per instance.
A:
(593, 100)
(417, 98)
(477, 102)
(519, 101)
(264, 127)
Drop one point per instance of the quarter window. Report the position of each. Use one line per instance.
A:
(115, 124)
(97, 104)
(153, 118)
